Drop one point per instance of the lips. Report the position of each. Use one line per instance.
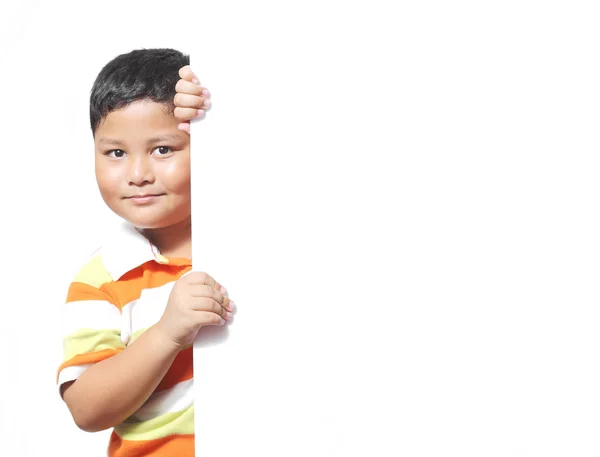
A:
(145, 195)
(143, 198)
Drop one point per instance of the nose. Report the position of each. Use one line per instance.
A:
(140, 170)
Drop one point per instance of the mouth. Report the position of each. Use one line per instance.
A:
(144, 198)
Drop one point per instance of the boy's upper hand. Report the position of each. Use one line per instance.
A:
(191, 100)
(196, 300)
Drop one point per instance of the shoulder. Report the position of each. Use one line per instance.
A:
(123, 249)
(91, 281)
(93, 269)
(93, 272)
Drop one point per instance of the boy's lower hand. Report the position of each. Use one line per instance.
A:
(195, 301)
(191, 100)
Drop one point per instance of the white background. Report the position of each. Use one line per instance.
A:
(401, 197)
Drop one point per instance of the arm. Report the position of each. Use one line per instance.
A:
(112, 390)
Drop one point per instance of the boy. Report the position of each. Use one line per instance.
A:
(131, 315)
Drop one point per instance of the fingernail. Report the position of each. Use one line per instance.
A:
(229, 315)
(223, 290)
(205, 92)
(231, 305)
(207, 103)
(195, 80)
(201, 113)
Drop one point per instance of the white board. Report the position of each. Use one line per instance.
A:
(402, 199)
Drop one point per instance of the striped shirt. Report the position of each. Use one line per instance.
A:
(120, 292)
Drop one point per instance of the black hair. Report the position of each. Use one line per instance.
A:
(142, 74)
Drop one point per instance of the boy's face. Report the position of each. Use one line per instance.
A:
(143, 165)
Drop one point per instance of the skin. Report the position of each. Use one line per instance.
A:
(144, 150)
(139, 150)
(192, 100)
(128, 163)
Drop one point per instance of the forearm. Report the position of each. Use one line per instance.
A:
(112, 390)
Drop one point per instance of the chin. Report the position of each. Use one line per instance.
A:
(142, 221)
(153, 223)
(148, 224)
(150, 220)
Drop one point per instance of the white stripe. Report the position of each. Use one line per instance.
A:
(145, 311)
(177, 398)
(71, 373)
(125, 249)
(92, 314)
(126, 323)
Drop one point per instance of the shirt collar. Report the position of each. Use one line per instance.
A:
(127, 249)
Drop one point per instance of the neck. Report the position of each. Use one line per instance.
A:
(174, 240)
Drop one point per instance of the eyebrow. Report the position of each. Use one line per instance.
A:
(166, 137)
(109, 141)
(155, 139)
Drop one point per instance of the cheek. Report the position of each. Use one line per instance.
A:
(176, 176)
(107, 179)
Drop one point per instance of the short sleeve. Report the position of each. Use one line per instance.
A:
(91, 322)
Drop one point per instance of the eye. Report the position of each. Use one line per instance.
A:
(162, 150)
(118, 153)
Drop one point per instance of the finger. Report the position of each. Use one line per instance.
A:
(191, 101)
(215, 293)
(184, 127)
(221, 288)
(203, 290)
(208, 318)
(187, 114)
(207, 304)
(204, 285)
(187, 74)
(227, 303)
(186, 87)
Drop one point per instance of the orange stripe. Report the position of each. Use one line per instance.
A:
(127, 289)
(130, 286)
(179, 261)
(181, 370)
(146, 276)
(90, 357)
(175, 445)
(79, 291)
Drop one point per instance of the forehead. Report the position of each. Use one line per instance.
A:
(138, 120)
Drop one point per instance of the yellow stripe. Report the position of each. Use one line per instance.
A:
(87, 340)
(93, 273)
(179, 423)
